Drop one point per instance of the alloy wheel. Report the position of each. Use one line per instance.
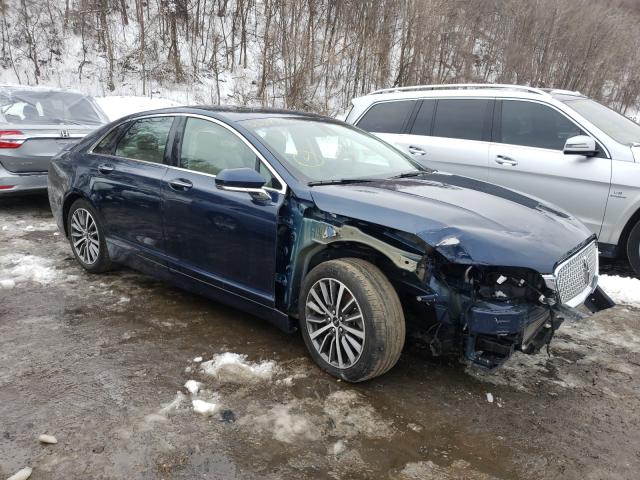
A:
(84, 236)
(335, 323)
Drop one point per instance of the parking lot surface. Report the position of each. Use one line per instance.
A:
(100, 362)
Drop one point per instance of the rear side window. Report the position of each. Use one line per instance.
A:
(461, 118)
(535, 125)
(424, 118)
(146, 139)
(106, 145)
(386, 117)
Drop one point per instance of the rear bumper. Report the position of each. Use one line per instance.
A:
(17, 183)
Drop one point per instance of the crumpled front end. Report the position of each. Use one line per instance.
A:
(498, 310)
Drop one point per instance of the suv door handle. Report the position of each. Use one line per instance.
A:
(416, 150)
(104, 168)
(504, 160)
(180, 184)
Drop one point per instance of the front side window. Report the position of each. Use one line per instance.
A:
(535, 125)
(316, 151)
(146, 139)
(209, 148)
(461, 118)
(386, 117)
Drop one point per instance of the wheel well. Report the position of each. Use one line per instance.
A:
(357, 250)
(65, 209)
(622, 243)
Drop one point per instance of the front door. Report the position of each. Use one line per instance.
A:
(127, 185)
(527, 155)
(222, 238)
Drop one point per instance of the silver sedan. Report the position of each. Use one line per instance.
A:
(35, 124)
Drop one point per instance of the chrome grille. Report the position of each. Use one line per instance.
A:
(575, 275)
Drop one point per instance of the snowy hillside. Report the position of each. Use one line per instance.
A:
(318, 55)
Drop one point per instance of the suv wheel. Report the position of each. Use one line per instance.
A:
(86, 237)
(351, 319)
(633, 248)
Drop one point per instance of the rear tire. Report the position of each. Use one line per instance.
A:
(86, 237)
(633, 248)
(351, 319)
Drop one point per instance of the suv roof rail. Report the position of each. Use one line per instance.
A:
(461, 86)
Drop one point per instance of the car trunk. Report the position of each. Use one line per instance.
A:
(41, 143)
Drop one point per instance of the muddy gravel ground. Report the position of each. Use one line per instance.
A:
(100, 361)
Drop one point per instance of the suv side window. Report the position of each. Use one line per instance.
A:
(461, 118)
(387, 117)
(146, 139)
(535, 125)
(424, 119)
(209, 148)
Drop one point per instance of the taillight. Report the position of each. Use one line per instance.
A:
(6, 187)
(11, 138)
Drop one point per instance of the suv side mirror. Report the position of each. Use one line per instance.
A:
(581, 145)
(242, 180)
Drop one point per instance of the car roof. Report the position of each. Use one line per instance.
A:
(466, 91)
(231, 114)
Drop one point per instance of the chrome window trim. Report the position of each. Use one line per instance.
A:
(282, 190)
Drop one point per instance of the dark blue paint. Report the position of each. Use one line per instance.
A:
(253, 254)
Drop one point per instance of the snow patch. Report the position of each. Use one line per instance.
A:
(204, 408)
(625, 290)
(18, 268)
(354, 417)
(192, 386)
(235, 368)
(285, 425)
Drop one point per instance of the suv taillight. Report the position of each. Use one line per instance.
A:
(11, 138)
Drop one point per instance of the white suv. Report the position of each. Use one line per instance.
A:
(556, 145)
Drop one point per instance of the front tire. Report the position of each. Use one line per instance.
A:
(633, 248)
(86, 237)
(351, 319)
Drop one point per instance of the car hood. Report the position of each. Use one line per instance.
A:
(466, 220)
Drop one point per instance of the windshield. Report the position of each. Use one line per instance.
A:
(617, 126)
(321, 151)
(48, 107)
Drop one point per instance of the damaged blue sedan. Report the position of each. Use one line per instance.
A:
(313, 224)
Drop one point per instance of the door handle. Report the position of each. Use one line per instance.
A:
(104, 168)
(180, 184)
(416, 150)
(504, 160)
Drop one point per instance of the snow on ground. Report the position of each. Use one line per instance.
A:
(624, 290)
(234, 368)
(116, 106)
(18, 268)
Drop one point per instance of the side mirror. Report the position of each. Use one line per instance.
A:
(581, 145)
(242, 180)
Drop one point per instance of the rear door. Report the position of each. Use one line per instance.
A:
(527, 155)
(127, 185)
(445, 134)
(224, 239)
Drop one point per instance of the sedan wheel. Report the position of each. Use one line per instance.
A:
(335, 323)
(84, 236)
(351, 319)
